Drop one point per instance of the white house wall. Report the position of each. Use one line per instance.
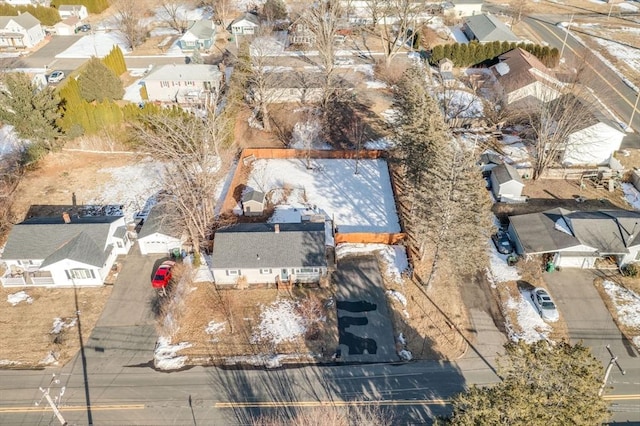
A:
(264, 275)
(59, 275)
(537, 90)
(163, 244)
(632, 256)
(468, 9)
(593, 145)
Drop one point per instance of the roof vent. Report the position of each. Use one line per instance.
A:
(276, 228)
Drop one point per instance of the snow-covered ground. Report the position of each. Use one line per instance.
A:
(280, 322)
(499, 271)
(461, 104)
(382, 143)
(132, 92)
(628, 54)
(60, 324)
(394, 257)
(98, 44)
(627, 305)
(515, 151)
(166, 356)
(18, 297)
(531, 326)
(632, 195)
(130, 186)
(9, 141)
(358, 203)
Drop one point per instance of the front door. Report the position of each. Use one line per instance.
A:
(284, 275)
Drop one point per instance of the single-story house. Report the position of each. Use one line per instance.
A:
(63, 251)
(246, 24)
(67, 26)
(489, 160)
(253, 203)
(487, 28)
(521, 75)
(68, 10)
(158, 235)
(578, 238)
(289, 86)
(271, 45)
(506, 183)
(445, 67)
(200, 35)
(596, 136)
(258, 253)
(184, 84)
(467, 7)
(300, 33)
(20, 32)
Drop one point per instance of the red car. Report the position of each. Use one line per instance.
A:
(163, 274)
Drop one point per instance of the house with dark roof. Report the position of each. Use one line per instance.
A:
(20, 32)
(259, 253)
(63, 251)
(596, 134)
(506, 183)
(200, 35)
(487, 28)
(246, 24)
(253, 203)
(521, 76)
(158, 234)
(578, 238)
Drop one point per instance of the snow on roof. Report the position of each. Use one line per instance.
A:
(184, 72)
(502, 68)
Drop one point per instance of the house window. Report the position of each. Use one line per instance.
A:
(164, 84)
(233, 272)
(119, 244)
(306, 270)
(265, 271)
(80, 274)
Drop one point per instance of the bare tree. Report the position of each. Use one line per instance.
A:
(222, 10)
(195, 162)
(175, 15)
(129, 16)
(375, 9)
(399, 17)
(517, 8)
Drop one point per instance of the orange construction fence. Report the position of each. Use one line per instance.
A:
(369, 238)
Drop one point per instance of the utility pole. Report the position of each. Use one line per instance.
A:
(53, 403)
(566, 35)
(614, 360)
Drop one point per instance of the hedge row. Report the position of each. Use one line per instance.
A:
(474, 53)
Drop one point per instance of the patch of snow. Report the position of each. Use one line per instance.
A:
(562, 226)
(132, 92)
(532, 326)
(395, 257)
(265, 360)
(360, 202)
(397, 296)
(461, 104)
(182, 13)
(50, 358)
(632, 195)
(215, 327)
(9, 141)
(517, 154)
(97, 44)
(376, 84)
(59, 324)
(627, 7)
(6, 362)
(401, 339)
(406, 355)
(391, 115)
(626, 302)
(138, 72)
(163, 31)
(499, 270)
(203, 273)
(636, 341)
(366, 69)
(18, 297)
(166, 357)
(382, 144)
(305, 135)
(279, 322)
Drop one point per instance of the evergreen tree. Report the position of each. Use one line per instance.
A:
(274, 10)
(196, 58)
(542, 384)
(32, 112)
(437, 53)
(97, 82)
(115, 61)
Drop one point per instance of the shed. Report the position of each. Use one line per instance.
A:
(253, 203)
(506, 183)
(158, 235)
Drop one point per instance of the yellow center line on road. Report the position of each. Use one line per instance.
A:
(621, 397)
(282, 404)
(590, 66)
(44, 407)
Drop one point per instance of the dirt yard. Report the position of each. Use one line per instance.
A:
(629, 283)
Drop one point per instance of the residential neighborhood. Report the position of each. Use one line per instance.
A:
(274, 212)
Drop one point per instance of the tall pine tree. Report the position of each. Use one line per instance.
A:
(97, 82)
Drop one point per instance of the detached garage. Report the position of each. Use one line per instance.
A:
(157, 236)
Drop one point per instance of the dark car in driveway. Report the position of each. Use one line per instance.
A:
(502, 242)
(83, 28)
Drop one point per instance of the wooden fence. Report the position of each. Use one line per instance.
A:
(369, 238)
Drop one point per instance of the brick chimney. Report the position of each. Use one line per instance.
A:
(277, 228)
(66, 217)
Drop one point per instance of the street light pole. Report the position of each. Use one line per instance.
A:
(566, 35)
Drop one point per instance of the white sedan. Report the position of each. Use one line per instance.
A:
(545, 306)
(56, 77)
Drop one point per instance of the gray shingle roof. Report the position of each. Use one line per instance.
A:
(598, 230)
(253, 195)
(158, 221)
(489, 28)
(250, 17)
(257, 245)
(25, 20)
(51, 239)
(505, 173)
(537, 233)
(202, 29)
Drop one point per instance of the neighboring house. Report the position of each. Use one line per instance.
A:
(289, 86)
(578, 238)
(446, 72)
(20, 32)
(467, 7)
(271, 45)
(486, 29)
(489, 160)
(522, 76)
(158, 235)
(247, 24)
(506, 183)
(67, 26)
(68, 10)
(595, 137)
(253, 203)
(258, 253)
(200, 35)
(186, 85)
(300, 33)
(63, 251)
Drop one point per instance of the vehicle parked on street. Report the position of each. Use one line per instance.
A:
(502, 242)
(56, 77)
(163, 274)
(544, 304)
(83, 28)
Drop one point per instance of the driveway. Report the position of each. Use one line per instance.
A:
(589, 321)
(364, 323)
(46, 55)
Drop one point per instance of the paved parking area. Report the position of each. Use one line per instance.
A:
(364, 322)
(45, 56)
